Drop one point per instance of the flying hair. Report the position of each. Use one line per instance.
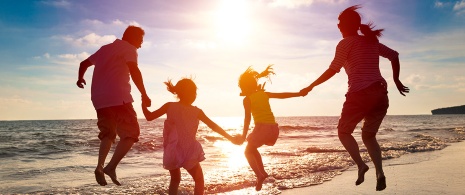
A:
(248, 80)
(183, 88)
(353, 19)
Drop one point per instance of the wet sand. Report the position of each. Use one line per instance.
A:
(438, 172)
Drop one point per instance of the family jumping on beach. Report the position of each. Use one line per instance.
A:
(116, 64)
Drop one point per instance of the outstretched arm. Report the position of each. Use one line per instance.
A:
(284, 95)
(136, 76)
(155, 114)
(323, 78)
(396, 71)
(216, 128)
(82, 70)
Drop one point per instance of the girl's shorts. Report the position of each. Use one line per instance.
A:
(264, 134)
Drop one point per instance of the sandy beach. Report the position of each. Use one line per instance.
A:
(438, 172)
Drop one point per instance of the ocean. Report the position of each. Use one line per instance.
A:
(59, 156)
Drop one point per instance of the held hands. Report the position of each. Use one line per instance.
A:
(237, 139)
(80, 83)
(305, 91)
(146, 102)
(402, 89)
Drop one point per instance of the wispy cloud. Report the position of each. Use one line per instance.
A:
(459, 7)
(58, 3)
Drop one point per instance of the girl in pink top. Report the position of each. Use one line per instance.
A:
(180, 147)
(366, 98)
(265, 132)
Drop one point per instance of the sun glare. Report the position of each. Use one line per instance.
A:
(235, 154)
(233, 22)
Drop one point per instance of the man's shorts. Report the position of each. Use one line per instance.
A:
(264, 134)
(370, 104)
(121, 120)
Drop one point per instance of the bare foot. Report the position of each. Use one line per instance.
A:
(361, 175)
(260, 181)
(100, 177)
(381, 183)
(112, 175)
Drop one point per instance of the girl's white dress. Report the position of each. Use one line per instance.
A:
(180, 146)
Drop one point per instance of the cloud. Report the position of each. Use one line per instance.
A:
(438, 4)
(95, 40)
(58, 3)
(71, 59)
(91, 39)
(459, 7)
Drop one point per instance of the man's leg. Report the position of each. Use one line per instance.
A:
(121, 150)
(128, 130)
(105, 145)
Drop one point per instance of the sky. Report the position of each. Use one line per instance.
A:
(42, 43)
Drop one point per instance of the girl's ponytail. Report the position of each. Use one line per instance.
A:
(367, 30)
(170, 87)
(266, 73)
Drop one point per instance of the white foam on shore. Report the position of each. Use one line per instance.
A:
(437, 172)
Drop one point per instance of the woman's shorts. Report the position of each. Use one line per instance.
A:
(369, 104)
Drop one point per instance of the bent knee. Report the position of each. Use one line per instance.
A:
(368, 135)
(344, 133)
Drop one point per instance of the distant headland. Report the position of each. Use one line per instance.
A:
(450, 110)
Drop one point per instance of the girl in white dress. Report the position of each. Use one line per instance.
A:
(180, 147)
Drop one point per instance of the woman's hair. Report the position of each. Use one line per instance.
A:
(248, 81)
(184, 88)
(352, 19)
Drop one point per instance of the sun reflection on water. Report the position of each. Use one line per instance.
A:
(235, 158)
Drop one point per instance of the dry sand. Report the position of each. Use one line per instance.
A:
(438, 172)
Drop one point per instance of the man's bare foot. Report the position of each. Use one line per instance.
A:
(361, 175)
(112, 175)
(260, 181)
(381, 183)
(100, 177)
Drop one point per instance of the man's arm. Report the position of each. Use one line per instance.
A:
(82, 70)
(136, 76)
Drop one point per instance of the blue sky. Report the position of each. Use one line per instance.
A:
(214, 41)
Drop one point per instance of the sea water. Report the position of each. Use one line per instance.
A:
(59, 156)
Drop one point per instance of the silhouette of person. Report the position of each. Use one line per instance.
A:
(180, 147)
(366, 98)
(111, 96)
(256, 103)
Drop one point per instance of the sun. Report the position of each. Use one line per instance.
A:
(232, 21)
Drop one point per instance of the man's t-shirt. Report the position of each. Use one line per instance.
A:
(110, 81)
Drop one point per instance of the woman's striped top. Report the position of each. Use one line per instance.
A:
(360, 58)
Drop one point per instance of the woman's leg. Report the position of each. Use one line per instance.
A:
(255, 161)
(197, 175)
(174, 182)
(369, 139)
(351, 145)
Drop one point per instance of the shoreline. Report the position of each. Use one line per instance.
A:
(436, 172)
